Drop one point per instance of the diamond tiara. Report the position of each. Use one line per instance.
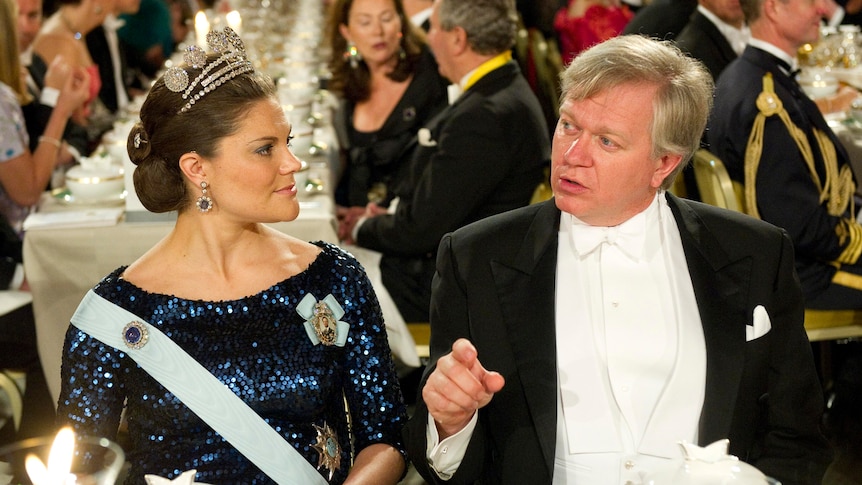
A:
(231, 63)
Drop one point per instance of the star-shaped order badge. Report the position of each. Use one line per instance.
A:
(327, 446)
(322, 320)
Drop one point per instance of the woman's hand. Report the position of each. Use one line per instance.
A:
(75, 90)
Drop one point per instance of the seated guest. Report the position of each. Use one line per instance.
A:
(663, 19)
(24, 174)
(108, 53)
(774, 141)
(148, 37)
(580, 340)
(63, 34)
(482, 155)
(584, 23)
(389, 87)
(843, 12)
(284, 371)
(715, 34)
(43, 92)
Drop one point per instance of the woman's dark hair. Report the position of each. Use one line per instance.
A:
(354, 83)
(163, 135)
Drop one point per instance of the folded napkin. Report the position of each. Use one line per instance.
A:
(186, 478)
(71, 219)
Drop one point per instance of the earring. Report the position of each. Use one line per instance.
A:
(204, 203)
(352, 55)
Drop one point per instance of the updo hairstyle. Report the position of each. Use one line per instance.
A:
(163, 135)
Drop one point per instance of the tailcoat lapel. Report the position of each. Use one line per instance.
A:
(526, 289)
(525, 286)
(719, 286)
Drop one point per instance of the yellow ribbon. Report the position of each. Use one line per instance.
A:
(486, 67)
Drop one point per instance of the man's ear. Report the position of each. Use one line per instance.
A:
(666, 165)
(459, 39)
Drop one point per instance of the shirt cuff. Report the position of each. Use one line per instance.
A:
(444, 457)
(355, 232)
(18, 278)
(49, 96)
(837, 17)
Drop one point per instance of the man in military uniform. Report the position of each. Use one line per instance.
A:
(775, 142)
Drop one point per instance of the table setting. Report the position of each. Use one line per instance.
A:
(94, 222)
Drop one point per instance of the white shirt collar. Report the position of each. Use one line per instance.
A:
(631, 236)
(737, 38)
(775, 51)
(113, 23)
(26, 57)
(420, 17)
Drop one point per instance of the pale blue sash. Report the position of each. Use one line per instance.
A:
(198, 389)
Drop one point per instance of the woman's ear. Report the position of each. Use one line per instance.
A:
(193, 167)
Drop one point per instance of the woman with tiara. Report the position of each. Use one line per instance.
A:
(236, 350)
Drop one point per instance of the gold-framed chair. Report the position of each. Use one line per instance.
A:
(714, 183)
(716, 188)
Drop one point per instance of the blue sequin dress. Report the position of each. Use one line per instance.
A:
(258, 347)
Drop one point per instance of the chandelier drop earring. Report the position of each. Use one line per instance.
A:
(352, 54)
(204, 202)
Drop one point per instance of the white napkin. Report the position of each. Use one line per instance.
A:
(186, 478)
(71, 219)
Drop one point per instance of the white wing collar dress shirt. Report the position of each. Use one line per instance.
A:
(630, 351)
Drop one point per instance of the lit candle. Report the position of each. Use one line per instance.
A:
(234, 21)
(202, 28)
(59, 462)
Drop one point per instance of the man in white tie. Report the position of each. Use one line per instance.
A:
(582, 339)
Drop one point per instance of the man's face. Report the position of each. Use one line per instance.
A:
(798, 21)
(602, 170)
(440, 42)
(29, 22)
(728, 11)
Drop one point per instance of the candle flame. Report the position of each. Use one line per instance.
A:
(234, 21)
(59, 461)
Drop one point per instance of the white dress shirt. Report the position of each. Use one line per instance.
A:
(630, 352)
(736, 37)
(111, 24)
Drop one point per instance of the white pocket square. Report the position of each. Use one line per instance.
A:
(425, 139)
(761, 324)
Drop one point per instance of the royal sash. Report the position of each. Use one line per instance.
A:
(197, 388)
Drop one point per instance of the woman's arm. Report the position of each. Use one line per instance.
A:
(26, 176)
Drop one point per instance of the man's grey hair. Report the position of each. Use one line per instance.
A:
(682, 101)
(491, 25)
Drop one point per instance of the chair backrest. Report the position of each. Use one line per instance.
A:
(713, 182)
(543, 191)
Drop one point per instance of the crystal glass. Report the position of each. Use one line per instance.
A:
(96, 461)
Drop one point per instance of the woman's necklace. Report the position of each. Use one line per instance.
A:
(75, 33)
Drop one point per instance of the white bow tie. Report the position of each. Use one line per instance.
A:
(629, 237)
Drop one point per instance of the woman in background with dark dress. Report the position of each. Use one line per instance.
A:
(389, 86)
